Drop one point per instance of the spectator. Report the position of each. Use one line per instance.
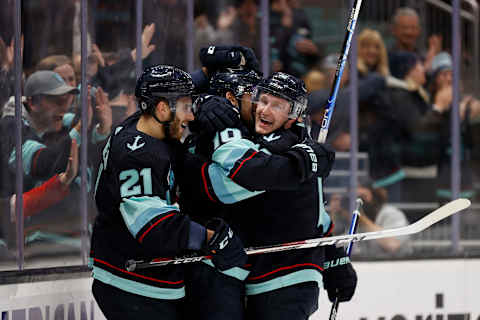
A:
(169, 17)
(338, 135)
(372, 55)
(372, 63)
(62, 65)
(117, 75)
(376, 215)
(238, 25)
(205, 34)
(46, 103)
(281, 25)
(339, 131)
(293, 50)
(406, 30)
(47, 140)
(7, 77)
(407, 126)
(315, 80)
(441, 80)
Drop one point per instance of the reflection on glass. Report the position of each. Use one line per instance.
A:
(7, 91)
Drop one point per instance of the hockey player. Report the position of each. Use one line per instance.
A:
(265, 211)
(135, 195)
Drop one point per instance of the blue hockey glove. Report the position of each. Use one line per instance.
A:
(339, 277)
(225, 247)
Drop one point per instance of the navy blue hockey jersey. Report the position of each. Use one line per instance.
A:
(261, 196)
(137, 218)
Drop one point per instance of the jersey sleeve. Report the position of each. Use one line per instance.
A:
(256, 168)
(146, 185)
(240, 169)
(41, 161)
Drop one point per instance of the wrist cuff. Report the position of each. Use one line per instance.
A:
(197, 236)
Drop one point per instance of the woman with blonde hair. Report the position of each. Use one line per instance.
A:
(372, 54)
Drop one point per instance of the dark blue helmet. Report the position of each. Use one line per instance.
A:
(162, 82)
(286, 87)
(236, 81)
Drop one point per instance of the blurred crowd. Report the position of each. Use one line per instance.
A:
(404, 94)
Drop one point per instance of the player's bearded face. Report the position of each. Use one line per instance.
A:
(183, 116)
(271, 113)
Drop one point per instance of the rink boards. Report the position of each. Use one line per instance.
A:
(395, 290)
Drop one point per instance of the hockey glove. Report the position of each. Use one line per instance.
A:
(225, 247)
(313, 159)
(221, 57)
(215, 114)
(339, 277)
(279, 141)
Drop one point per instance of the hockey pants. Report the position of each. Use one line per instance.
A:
(118, 304)
(297, 302)
(212, 295)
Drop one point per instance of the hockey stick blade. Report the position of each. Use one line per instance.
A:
(422, 224)
(441, 213)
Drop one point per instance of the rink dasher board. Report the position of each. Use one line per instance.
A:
(390, 290)
(445, 289)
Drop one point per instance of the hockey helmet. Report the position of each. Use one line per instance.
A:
(287, 87)
(237, 81)
(162, 82)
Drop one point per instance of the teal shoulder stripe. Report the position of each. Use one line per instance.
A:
(301, 276)
(225, 189)
(324, 219)
(229, 153)
(138, 211)
(236, 272)
(137, 287)
(29, 148)
(68, 119)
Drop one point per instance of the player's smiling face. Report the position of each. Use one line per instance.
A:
(271, 113)
(183, 116)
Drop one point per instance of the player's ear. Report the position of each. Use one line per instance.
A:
(289, 123)
(163, 110)
(230, 97)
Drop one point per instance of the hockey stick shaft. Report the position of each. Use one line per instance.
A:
(352, 230)
(422, 224)
(322, 137)
(354, 224)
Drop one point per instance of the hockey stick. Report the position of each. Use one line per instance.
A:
(353, 229)
(338, 74)
(422, 224)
